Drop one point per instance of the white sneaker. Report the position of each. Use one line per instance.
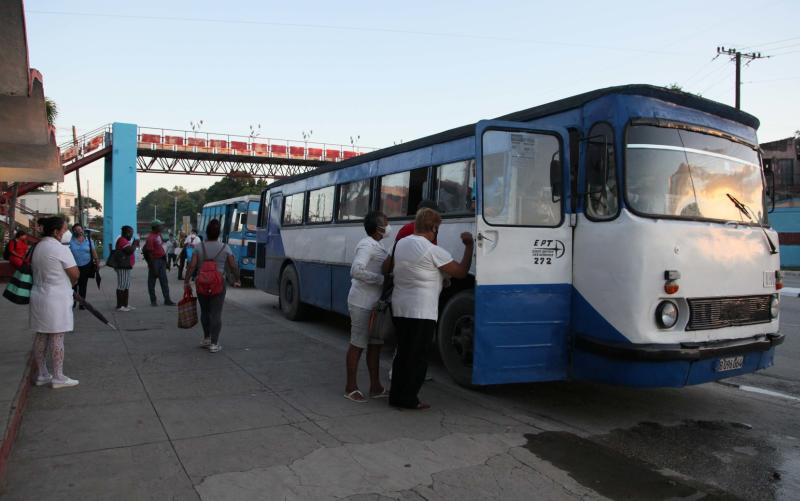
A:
(214, 348)
(63, 383)
(43, 380)
(131, 308)
(206, 342)
(121, 308)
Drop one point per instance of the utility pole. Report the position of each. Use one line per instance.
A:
(175, 217)
(737, 56)
(79, 219)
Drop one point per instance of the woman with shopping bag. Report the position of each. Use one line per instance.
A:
(213, 258)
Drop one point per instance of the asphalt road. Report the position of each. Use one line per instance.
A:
(731, 439)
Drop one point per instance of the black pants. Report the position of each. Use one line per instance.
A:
(83, 279)
(410, 364)
(211, 315)
(157, 270)
(172, 260)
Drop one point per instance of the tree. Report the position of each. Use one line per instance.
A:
(91, 203)
(51, 109)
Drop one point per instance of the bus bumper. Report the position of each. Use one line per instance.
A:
(669, 365)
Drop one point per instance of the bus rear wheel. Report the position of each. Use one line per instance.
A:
(291, 306)
(456, 336)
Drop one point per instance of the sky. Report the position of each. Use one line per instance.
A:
(389, 71)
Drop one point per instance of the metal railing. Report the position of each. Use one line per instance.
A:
(86, 143)
(153, 138)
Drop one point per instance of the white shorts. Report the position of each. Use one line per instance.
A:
(359, 327)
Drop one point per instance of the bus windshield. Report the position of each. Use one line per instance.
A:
(252, 216)
(684, 174)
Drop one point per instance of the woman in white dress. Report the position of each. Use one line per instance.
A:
(54, 275)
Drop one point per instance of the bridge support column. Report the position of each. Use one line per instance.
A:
(119, 204)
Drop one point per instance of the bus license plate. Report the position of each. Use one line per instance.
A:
(730, 364)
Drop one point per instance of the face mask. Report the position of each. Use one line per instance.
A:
(66, 237)
(387, 230)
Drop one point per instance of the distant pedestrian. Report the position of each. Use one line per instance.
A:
(85, 257)
(189, 244)
(212, 258)
(419, 268)
(172, 255)
(127, 245)
(365, 291)
(156, 264)
(16, 249)
(54, 274)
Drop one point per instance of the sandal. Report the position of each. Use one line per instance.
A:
(356, 396)
(382, 394)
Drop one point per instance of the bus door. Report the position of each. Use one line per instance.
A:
(523, 260)
(273, 253)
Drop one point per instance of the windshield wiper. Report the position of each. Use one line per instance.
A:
(749, 214)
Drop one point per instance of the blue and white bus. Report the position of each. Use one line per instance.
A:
(238, 219)
(621, 237)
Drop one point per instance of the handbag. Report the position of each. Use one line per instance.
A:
(381, 325)
(18, 289)
(187, 310)
(119, 260)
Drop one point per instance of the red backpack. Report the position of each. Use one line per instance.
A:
(209, 281)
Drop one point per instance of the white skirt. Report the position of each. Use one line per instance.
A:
(51, 311)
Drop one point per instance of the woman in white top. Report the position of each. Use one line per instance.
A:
(365, 290)
(419, 269)
(54, 275)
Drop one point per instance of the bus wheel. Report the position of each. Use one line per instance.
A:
(290, 303)
(456, 336)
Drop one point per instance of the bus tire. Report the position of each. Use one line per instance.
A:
(455, 338)
(290, 303)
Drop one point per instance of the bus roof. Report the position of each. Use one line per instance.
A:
(552, 108)
(244, 198)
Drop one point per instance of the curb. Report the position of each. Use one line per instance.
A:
(15, 419)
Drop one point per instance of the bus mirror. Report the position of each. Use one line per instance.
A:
(555, 178)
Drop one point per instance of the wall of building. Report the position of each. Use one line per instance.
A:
(786, 221)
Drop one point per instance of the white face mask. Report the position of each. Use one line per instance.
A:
(66, 237)
(387, 231)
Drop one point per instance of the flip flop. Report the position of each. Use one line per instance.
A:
(354, 396)
(383, 394)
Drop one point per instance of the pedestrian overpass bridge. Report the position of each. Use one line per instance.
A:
(128, 149)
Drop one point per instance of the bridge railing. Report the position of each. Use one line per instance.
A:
(151, 138)
(85, 143)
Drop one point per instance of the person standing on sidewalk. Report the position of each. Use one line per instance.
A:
(211, 257)
(127, 245)
(17, 248)
(85, 257)
(366, 286)
(156, 264)
(172, 255)
(419, 268)
(55, 273)
(189, 244)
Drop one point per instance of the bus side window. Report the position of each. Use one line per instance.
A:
(401, 193)
(320, 205)
(353, 200)
(455, 183)
(602, 200)
(293, 209)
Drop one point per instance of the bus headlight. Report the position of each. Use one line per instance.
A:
(774, 306)
(666, 314)
(245, 261)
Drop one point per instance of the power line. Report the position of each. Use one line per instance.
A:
(396, 31)
(770, 43)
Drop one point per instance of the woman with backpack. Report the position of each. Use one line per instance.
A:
(16, 249)
(211, 257)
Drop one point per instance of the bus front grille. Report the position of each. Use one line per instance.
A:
(718, 312)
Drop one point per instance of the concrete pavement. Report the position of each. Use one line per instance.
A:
(156, 417)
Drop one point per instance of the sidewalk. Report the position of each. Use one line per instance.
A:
(157, 417)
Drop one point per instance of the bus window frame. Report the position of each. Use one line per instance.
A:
(425, 196)
(338, 194)
(675, 124)
(283, 209)
(532, 130)
(585, 194)
(263, 212)
(308, 206)
(432, 195)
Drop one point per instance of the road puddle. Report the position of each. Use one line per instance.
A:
(610, 473)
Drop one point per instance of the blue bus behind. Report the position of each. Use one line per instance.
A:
(238, 218)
